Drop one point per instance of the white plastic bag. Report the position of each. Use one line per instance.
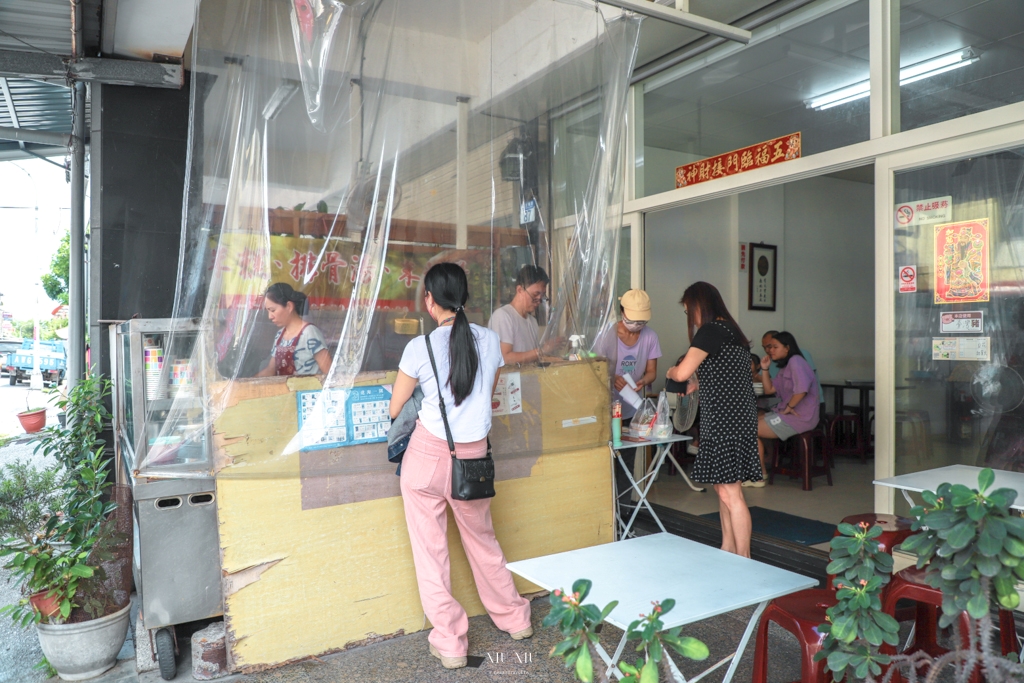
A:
(663, 418)
(643, 422)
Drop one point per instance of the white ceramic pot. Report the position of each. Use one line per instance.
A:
(85, 650)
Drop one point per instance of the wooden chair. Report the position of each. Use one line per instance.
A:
(803, 461)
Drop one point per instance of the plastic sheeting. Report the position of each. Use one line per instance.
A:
(959, 314)
(345, 146)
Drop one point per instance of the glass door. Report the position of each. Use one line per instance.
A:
(958, 313)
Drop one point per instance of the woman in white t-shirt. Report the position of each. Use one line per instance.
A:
(468, 359)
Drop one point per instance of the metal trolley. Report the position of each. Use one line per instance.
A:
(176, 562)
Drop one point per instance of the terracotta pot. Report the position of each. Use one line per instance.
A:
(33, 421)
(45, 604)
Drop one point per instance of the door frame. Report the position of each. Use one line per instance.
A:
(886, 166)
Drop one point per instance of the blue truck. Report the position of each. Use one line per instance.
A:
(52, 362)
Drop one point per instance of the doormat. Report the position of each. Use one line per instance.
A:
(786, 526)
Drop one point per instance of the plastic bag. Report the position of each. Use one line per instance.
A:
(643, 421)
(663, 418)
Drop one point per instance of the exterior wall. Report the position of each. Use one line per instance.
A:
(138, 148)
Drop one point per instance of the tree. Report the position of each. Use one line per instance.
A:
(55, 283)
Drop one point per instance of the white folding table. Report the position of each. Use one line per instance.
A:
(704, 581)
(663, 450)
(930, 480)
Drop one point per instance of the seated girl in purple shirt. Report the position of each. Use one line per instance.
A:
(797, 390)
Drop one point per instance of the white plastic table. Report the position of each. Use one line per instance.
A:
(704, 582)
(929, 480)
(663, 449)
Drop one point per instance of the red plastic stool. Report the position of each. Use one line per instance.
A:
(909, 584)
(895, 530)
(800, 614)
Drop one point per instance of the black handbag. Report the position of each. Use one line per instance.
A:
(471, 479)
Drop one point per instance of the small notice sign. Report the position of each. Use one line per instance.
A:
(908, 279)
(579, 421)
(961, 348)
(925, 211)
(962, 322)
(743, 257)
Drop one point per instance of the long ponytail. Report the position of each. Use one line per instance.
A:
(447, 283)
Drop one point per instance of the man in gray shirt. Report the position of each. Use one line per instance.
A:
(515, 323)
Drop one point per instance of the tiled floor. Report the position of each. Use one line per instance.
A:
(851, 493)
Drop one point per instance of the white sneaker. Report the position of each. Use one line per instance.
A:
(753, 484)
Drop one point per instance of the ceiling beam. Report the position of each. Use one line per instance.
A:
(42, 65)
(40, 137)
(686, 19)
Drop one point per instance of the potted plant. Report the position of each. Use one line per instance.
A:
(579, 624)
(32, 419)
(80, 619)
(973, 547)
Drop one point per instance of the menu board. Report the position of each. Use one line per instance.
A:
(343, 417)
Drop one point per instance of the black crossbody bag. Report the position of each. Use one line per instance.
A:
(471, 479)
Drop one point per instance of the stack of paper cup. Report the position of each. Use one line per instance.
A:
(153, 364)
(182, 378)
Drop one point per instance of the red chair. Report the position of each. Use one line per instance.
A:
(909, 584)
(804, 459)
(800, 614)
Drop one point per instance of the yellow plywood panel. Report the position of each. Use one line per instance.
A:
(304, 582)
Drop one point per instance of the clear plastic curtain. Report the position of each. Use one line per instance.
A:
(346, 146)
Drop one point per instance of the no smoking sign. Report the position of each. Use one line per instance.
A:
(908, 279)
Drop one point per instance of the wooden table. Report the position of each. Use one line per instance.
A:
(704, 582)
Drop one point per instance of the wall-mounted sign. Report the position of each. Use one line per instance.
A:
(962, 322)
(762, 154)
(743, 257)
(761, 283)
(925, 211)
(961, 348)
(961, 262)
(908, 279)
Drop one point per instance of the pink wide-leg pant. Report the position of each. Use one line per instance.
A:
(426, 491)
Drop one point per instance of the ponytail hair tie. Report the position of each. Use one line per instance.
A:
(461, 309)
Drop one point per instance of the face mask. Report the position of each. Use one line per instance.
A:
(634, 326)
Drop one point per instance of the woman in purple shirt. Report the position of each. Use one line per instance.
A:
(797, 391)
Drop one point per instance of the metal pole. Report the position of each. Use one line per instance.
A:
(76, 280)
(76, 270)
(461, 172)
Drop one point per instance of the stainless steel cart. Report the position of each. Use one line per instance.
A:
(163, 445)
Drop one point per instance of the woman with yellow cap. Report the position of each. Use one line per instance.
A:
(632, 349)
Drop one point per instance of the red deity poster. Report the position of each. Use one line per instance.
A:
(961, 262)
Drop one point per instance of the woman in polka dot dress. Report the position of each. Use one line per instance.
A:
(720, 356)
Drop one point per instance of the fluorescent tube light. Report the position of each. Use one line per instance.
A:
(911, 74)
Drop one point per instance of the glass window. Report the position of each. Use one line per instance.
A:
(767, 90)
(960, 335)
(959, 58)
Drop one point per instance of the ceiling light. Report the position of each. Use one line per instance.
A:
(911, 74)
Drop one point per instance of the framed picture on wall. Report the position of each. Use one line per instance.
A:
(762, 278)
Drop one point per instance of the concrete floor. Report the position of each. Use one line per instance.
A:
(405, 659)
